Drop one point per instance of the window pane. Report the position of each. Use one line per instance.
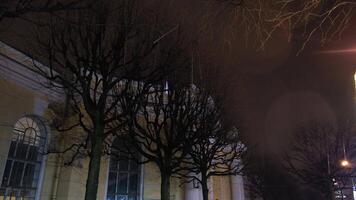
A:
(21, 151)
(27, 136)
(132, 198)
(123, 165)
(113, 163)
(6, 175)
(17, 169)
(33, 153)
(122, 197)
(112, 183)
(12, 149)
(133, 165)
(28, 176)
(110, 197)
(122, 183)
(133, 183)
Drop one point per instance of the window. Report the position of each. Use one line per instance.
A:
(124, 176)
(23, 165)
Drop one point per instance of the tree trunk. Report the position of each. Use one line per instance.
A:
(329, 194)
(204, 185)
(165, 186)
(94, 168)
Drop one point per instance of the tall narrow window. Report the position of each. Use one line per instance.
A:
(124, 176)
(24, 160)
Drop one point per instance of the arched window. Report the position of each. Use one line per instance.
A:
(124, 175)
(23, 165)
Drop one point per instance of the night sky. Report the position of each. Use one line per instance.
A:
(268, 92)
(271, 91)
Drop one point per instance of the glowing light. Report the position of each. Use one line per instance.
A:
(345, 163)
(338, 51)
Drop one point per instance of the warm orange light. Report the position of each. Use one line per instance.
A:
(345, 163)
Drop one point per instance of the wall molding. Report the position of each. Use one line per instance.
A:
(15, 67)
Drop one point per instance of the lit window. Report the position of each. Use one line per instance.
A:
(124, 176)
(24, 160)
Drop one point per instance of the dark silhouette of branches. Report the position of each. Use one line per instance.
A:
(99, 58)
(303, 21)
(162, 129)
(266, 179)
(181, 130)
(217, 148)
(316, 154)
(18, 8)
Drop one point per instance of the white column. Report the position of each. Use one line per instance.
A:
(237, 187)
(39, 108)
(192, 192)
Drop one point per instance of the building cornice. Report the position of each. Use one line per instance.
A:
(18, 68)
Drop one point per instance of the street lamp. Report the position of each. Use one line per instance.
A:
(345, 163)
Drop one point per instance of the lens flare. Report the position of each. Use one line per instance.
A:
(345, 163)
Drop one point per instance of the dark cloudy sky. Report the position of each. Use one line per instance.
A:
(272, 91)
(269, 92)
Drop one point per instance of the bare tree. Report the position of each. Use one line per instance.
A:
(97, 57)
(217, 149)
(315, 156)
(266, 179)
(161, 129)
(301, 20)
(18, 8)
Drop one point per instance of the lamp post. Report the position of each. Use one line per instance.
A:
(345, 163)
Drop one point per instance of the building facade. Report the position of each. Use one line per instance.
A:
(26, 172)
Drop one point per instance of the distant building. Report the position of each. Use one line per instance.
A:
(25, 173)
